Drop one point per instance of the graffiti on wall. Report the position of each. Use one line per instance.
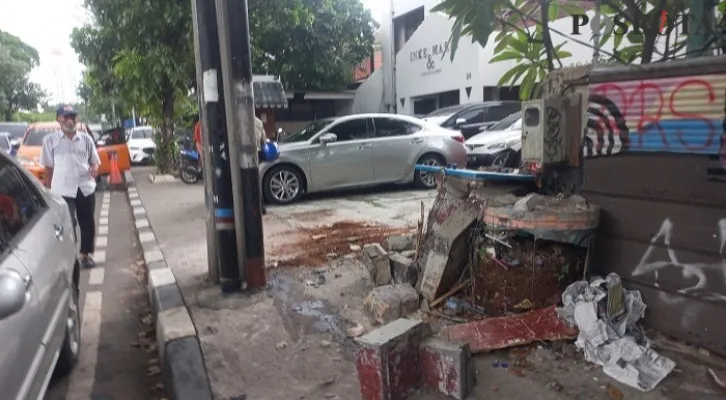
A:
(706, 281)
(676, 115)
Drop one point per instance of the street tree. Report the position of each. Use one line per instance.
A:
(524, 34)
(310, 44)
(17, 92)
(141, 51)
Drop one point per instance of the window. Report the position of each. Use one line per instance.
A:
(474, 116)
(497, 113)
(19, 203)
(4, 143)
(35, 136)
(142, 134)
(390, 127)
(357, 129)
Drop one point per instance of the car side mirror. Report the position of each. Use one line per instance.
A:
(460, 121)
(12, 293)
(328, 138)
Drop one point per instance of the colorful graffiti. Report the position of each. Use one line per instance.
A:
(676, 115)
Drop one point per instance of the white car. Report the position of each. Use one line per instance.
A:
(140, 141)
(499, 147)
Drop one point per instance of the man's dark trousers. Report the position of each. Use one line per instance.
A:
(83, 209)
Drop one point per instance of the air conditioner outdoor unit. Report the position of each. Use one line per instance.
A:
(544, 131)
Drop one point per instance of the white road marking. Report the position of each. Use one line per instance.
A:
(103, 221)
(95, 277)
(84, 375)
(103, 230)
(102, 241)
(104, 213)
(99, 256)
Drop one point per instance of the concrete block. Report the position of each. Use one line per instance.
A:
(388, 361)
(432, 274)
(153, 255)
(401, 242)
(142, 223)
(156, 265)
(165, 297)
(403, 272)
(185, 375)
(378, 263)
(129, 178)
(171, 324)
(447, 367)
(387, 303)
(409, 253)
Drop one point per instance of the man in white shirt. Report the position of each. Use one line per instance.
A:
(71, 165)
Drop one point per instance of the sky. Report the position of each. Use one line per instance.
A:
(47, 26)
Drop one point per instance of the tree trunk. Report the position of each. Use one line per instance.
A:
(165, 152)
(8, 113)
(546, 37)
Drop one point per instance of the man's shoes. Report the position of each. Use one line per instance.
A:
(87, 262)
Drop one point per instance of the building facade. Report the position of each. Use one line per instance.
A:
(417, 74)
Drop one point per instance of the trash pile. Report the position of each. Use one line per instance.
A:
(605, 314)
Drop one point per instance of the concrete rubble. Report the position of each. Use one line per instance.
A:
(390, 302)
(378, 263)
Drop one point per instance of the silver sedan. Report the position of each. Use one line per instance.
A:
(358, 150)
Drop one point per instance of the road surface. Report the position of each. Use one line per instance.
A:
(118, 359)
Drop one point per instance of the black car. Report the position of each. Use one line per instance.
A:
(470, 118)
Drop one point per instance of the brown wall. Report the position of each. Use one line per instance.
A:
(657, 164)
(267, 115)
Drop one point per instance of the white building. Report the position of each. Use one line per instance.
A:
(415, 79)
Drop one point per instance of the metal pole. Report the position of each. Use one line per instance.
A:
(212, 257)
(596, 33)
(217, 175)
(234, 39)
(133, 117)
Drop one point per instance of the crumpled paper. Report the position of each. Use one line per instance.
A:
(606, 315)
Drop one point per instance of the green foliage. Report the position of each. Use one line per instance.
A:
(523, 33)
(17, 59)
(311, 44)
(139, 53)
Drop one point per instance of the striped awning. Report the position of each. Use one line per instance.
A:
(269, 94)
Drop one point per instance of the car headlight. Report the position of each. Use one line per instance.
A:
(502, 145)
(135, 148)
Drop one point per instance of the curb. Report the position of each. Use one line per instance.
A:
(180, 352)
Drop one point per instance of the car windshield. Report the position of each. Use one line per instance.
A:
(142, 134)
(308, 132)
(507, 122)
(445, 111)
(35, 136)
(16, 131)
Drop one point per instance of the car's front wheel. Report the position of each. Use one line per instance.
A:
(423, 179)
(282, 185)
(70, 349)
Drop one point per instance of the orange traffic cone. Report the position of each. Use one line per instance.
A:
(115, 178)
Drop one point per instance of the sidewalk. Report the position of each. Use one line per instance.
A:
(295, 334)
(291, 342)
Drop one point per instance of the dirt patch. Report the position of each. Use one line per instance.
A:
(319, 245)
(307, 216)
(526, 276)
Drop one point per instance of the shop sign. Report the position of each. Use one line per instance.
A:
(431, 56)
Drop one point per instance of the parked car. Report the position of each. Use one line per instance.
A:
(16, 131)
(6, 144)
(470, 118)
(140, 141)
(31, 146)
(499, 146)
(39, 312)
(358, 150)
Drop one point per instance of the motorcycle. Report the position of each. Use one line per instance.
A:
(190, 171)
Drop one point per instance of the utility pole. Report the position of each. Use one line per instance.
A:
(234, 39)
(222, 253)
